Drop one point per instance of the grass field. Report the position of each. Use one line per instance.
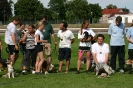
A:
(63, 80)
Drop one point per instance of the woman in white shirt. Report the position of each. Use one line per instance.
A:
(85, 35)
(39, 42)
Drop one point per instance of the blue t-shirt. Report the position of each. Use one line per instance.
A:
(130, 35)
(117, 34)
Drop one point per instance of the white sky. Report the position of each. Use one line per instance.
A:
(103, 3)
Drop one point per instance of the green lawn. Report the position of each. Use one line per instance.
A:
(63, 80)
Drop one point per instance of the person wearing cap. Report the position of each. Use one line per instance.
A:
(117, 43)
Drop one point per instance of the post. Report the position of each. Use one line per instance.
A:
(4, 17)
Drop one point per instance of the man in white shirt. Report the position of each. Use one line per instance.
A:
(12, 38)
(100, 50)
(66, 39)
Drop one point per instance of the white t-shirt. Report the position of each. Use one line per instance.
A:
(100, 51)
(11, 28)
(38, 32)
(80, 36)
(65, 38)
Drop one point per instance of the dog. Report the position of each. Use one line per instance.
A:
(10, 70)
(3, 64)
(129, 64)
(103, 68)
(45, 67)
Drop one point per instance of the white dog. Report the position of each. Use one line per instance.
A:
(10, 70)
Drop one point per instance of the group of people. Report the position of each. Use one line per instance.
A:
(36, 40)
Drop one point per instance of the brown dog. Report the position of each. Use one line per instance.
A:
(46, 67)
(3, 64)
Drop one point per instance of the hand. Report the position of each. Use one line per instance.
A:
(55, 43)
(16, 47)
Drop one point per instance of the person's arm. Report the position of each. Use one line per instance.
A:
(72, 41)
(94, 57)
(14, 40)
(24, 38)
(40, 41)
(129, 40)
(106, 57)
(54, 39)
(0, 46)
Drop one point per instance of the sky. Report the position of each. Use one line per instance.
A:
(103, 3)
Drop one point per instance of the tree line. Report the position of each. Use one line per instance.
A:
(31, 10)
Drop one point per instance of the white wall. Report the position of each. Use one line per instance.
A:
(125, 18)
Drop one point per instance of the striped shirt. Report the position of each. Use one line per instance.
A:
(30, 41)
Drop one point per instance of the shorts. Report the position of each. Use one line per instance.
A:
(12, 49)
(38, 48)
(130, 54)
(22, 48)
(47, 49)
(84, 48)
(64, 53)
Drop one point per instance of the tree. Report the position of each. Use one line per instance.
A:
(110, 6)
(96, 12)
(58, 6)
(5, 10)
(29, 10)
(79, 9)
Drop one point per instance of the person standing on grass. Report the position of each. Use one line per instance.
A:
(12, 39)
(30, 53)
(47, 31)
(129, 36)
(21, 33)
(66, 39)
(0, 48)
(39, 43)
(116, 33)
(85, 36)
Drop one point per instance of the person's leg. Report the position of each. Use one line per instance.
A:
(113, 57)
(60, 58)
(67, 57)
(80, 56)
(88, 60)
(36, 65)
(41, 56)
(121, 57)
(33, 57)
(60, 65)
(26, 59)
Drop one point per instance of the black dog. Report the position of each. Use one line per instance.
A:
(87, 35)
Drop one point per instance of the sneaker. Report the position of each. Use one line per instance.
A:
(24, 72)
(121, 71)
(77, 72)
(33, 72)
(87, 71)
(113, 71)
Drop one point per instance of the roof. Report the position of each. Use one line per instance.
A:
(112, 11)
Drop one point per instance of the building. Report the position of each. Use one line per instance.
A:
(109, 13)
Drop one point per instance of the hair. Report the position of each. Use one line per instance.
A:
(16, 18)
(82, 26)
(31, 25)
(65, 24)
(41, 17)
(100, 35)
(118, 19)
(22, 23)
(38, 24)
